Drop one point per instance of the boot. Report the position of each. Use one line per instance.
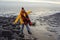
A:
(29, 33)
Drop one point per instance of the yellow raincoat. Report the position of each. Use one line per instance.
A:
(19, 18)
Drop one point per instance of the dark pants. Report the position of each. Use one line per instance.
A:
(28, 29)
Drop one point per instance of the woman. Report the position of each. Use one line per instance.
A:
(24, 20)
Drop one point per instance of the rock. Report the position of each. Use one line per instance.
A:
(8, 30)
(7, 33)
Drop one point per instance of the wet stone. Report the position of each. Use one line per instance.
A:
(8, 30)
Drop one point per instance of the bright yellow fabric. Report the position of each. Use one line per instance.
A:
(19, 18)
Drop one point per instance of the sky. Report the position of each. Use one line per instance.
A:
(32, 0)
(42, 1)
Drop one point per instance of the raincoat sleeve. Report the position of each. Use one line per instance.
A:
(16, 20)
(19, 18)
(28, 12)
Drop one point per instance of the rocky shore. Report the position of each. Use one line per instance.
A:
(8, 30)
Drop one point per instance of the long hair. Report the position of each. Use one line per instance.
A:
(23, 12)
(25, 19)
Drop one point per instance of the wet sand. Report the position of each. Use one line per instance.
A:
(41, 34)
